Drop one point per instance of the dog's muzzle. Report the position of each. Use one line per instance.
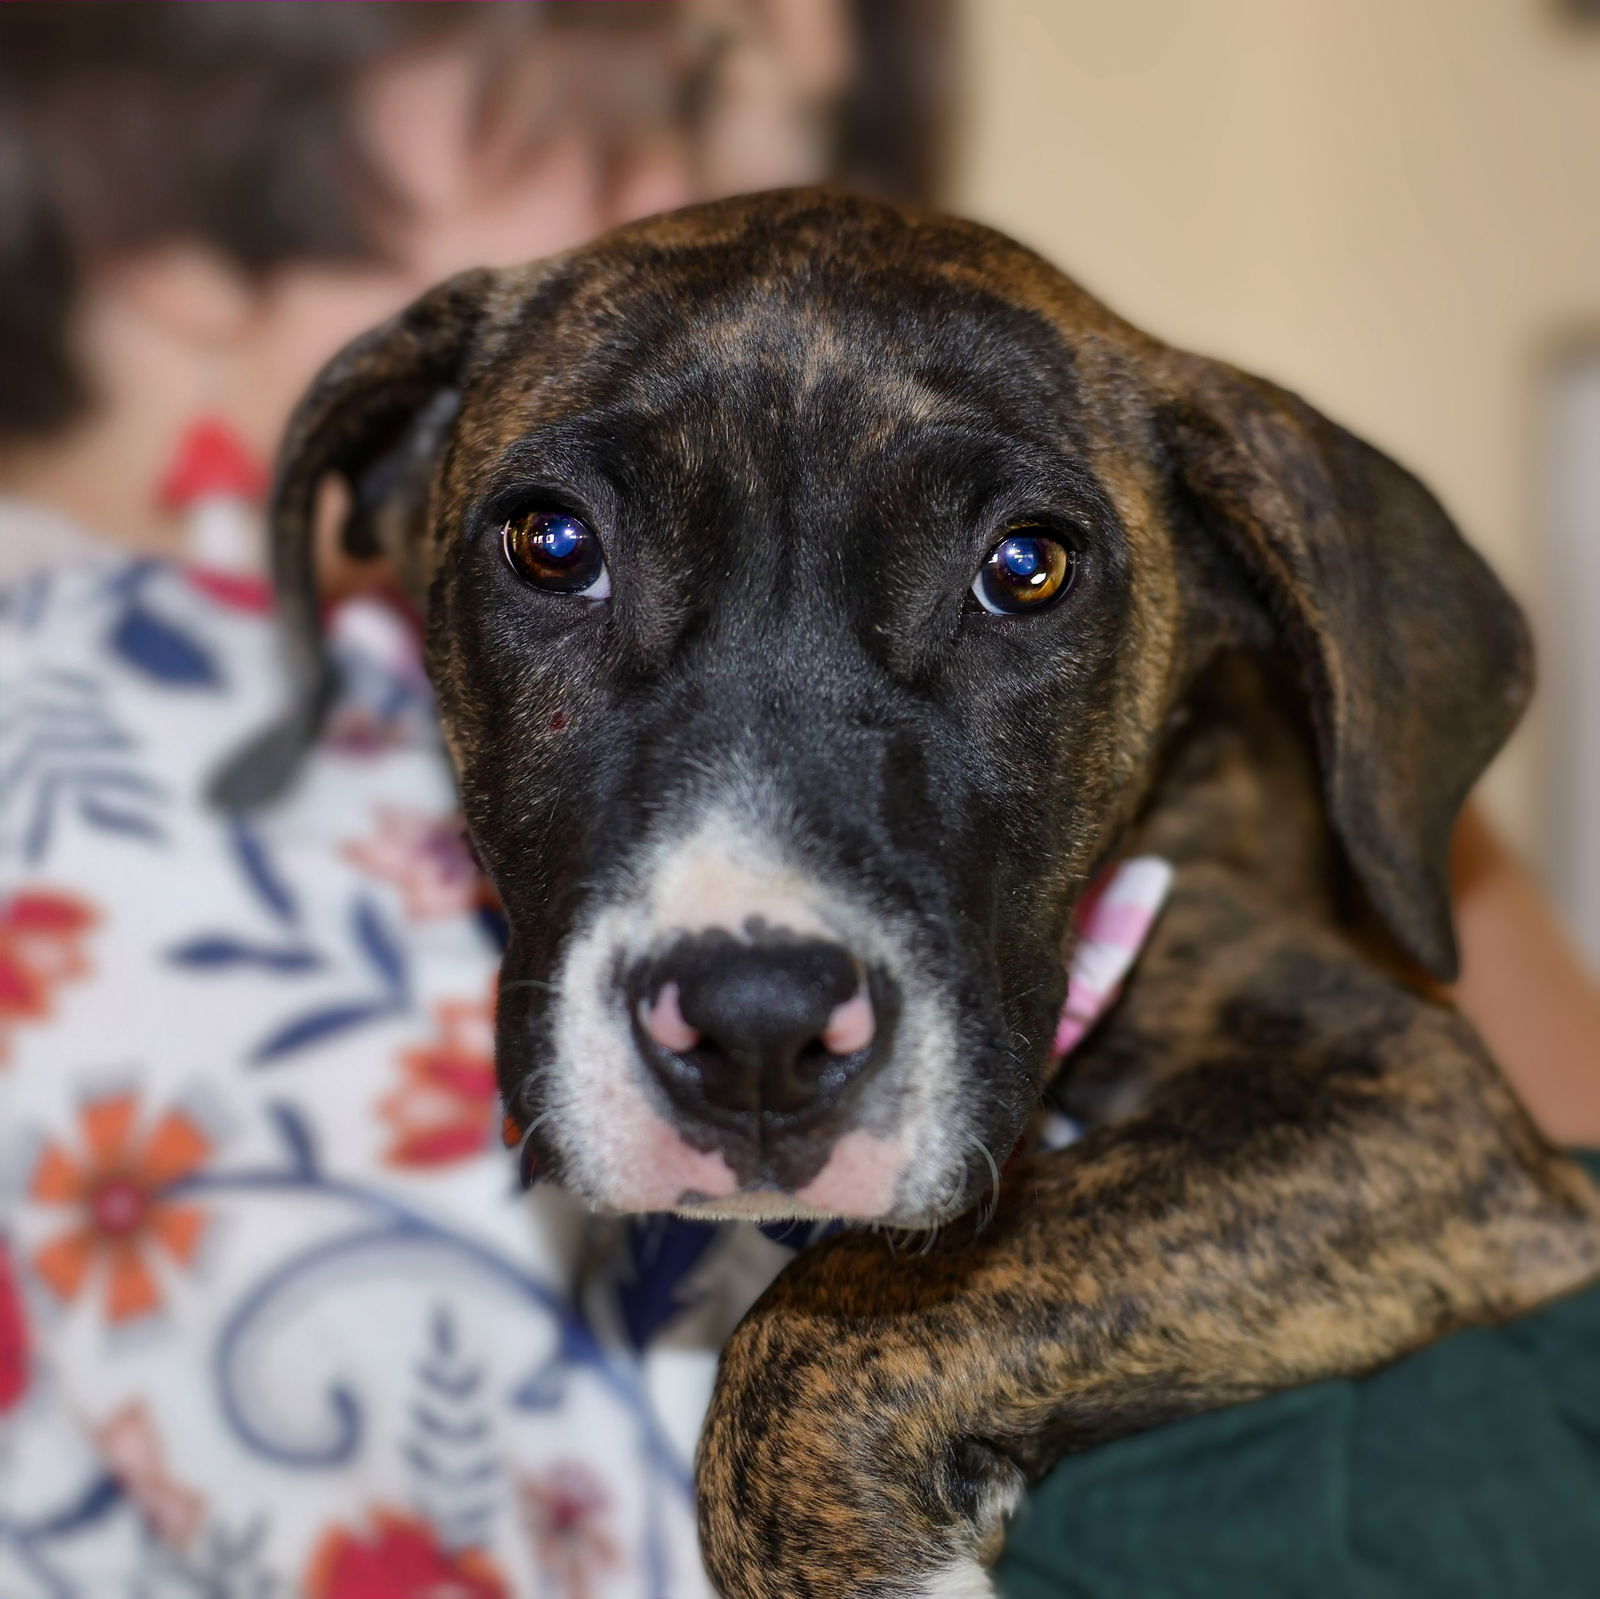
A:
(728, 1037)
(726, 1047)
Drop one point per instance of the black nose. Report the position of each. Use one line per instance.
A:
(758, 1009)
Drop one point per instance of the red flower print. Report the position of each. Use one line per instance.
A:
(233, 591)
(400, 1558)
(131, 1448)
(116, 1191)
(13, 1335)
(41, 945)
(427, 859)
(565, 1511)
(443, 1109)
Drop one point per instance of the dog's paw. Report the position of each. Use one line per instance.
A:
(852, 1447)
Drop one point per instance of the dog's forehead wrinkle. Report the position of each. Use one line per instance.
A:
(920, 333)
(724, 400)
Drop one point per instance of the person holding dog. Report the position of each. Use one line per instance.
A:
(362, 1094)
(273, 1314)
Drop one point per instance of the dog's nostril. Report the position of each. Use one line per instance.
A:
(850, 1025)
(773, 1026)
(664, 1022)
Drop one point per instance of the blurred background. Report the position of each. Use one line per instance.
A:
(1394, 209)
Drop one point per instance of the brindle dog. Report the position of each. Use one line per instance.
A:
(818, 594)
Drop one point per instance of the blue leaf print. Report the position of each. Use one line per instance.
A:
(448, 1442)
(37, 839)
(269, 887)
(316, 1027)
(111, 820)
(545, 1389)
(381, 949)
(443, 1430)
(102, 1495)
(161, 651)
(297, 1138)
(219, 951)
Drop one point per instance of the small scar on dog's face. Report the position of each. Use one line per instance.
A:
(783, 618)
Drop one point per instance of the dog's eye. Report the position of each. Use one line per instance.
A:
(1028, 570)
(556, 552)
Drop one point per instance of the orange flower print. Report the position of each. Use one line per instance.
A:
(116, 1191)
(400, 1558)
(41, 944)
(443, 1110)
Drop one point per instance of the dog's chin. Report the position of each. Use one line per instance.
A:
(755, 1205)
(869, 1198)
(768, 1206)
(641, 1163)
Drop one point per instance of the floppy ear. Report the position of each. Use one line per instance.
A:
(377, 413)
(1414, 661)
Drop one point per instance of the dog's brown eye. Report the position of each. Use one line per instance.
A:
(1028, 570)
(556, 552)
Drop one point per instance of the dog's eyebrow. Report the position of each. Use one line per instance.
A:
(998, 473)
(567, 452)
(978, 473)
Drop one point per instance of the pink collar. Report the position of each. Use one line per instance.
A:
(1114, 919)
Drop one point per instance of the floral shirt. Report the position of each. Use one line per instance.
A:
(275, 1320)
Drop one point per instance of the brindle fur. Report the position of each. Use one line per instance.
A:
(1302, 1164)
(1301, 1161)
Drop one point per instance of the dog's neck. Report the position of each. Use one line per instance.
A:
(1237, 808)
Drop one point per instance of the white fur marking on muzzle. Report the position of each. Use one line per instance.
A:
(622, 1151)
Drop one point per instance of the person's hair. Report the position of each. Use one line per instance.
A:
(897, 121)
(125, 125)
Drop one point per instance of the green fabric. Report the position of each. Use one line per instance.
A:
(1469, 1471)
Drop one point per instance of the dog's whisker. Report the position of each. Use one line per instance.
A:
(530, 1130)
(527, 1159)
(1028, 993)
(993, 1204)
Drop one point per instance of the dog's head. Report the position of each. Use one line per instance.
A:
(808, 587)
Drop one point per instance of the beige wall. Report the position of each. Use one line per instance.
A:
(1392, 206)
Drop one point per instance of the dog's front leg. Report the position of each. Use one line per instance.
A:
(1342, 1178)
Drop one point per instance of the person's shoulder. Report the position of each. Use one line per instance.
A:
(48, 604)
(39, 541)
(115, 612)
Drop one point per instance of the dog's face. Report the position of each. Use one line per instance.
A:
(808, 587)
(784, 634)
